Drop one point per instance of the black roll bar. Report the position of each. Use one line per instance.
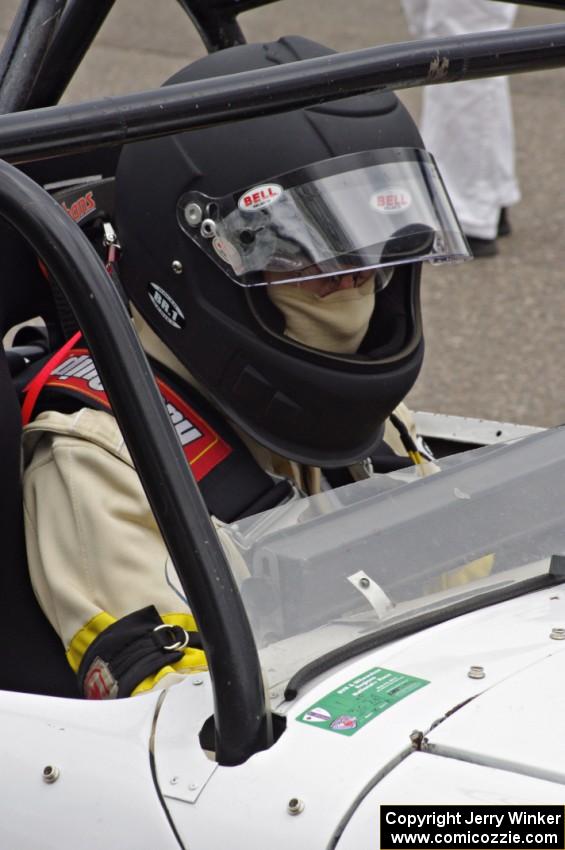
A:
(57, 45)
(40, 134)
(541, 4)
(241, 714)
(75, 33)
(216, 20)
(24, 51)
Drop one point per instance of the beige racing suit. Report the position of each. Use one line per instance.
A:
(94, 549)
(95, 552)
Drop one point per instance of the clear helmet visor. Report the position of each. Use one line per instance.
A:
(372, 210)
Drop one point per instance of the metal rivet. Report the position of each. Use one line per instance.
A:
(208, 228)
(295, 806)
(364, 582)
(557, 634)
(176, 266)
(476, 672)
(193, 786)
(50, 774)
(197, 682)
(173, 780)
(193, 214)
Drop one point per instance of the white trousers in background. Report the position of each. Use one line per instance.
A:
(468, 126)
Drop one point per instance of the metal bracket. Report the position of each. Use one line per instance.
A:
(375, 595)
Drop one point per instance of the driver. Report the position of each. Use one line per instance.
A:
(272, 267)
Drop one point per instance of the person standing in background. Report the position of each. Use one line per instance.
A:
(468, 126)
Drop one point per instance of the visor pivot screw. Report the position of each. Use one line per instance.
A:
(247, 237)
(364, 583)
(50, 774)
(193, 215)
(176, 266)
(557, 634)
(197, 682)
(476, 672)
(208, 228)
(295, 806)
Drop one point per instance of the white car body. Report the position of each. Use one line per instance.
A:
(132, 773)
(502, 745)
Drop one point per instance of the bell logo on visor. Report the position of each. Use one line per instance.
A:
(260, 196)
(391, 200)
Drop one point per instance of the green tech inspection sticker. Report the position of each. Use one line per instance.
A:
(357, 702)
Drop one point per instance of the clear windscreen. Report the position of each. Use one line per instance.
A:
(363, 211)
(319, 572)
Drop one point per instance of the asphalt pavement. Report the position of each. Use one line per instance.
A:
(495, 328)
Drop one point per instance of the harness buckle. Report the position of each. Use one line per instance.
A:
(179, 644)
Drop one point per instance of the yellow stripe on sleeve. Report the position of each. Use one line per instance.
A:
(84, 637)
(193, 660)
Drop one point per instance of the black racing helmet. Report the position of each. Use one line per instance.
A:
(209, 219)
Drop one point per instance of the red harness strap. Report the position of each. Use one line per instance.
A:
(73, 369)
(38, 382)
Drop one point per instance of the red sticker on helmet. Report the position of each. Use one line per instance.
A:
(260, 196)
(391, 200)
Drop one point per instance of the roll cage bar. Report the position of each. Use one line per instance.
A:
(241, 713)
(52, 36)
(42, 133)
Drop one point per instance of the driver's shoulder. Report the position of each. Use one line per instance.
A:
(82, 431)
